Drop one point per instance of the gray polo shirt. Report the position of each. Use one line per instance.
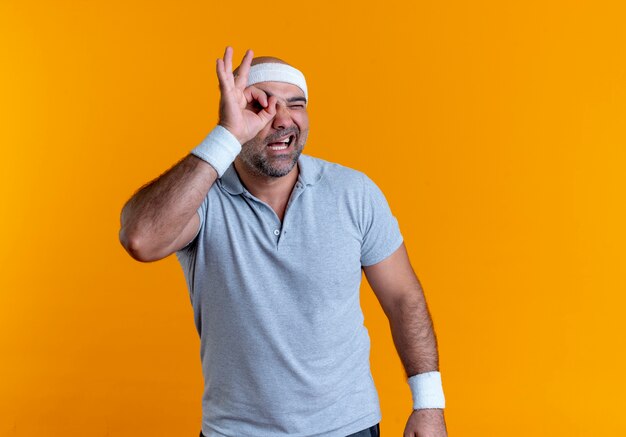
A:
(283, 346)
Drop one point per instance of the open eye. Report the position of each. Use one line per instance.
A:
(255, 105)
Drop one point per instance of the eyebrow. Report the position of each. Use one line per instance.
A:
(296, 99)
(290, 99)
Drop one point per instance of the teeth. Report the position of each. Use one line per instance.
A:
(285, 143)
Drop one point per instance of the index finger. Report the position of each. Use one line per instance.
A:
(253, 93)
(241, 80)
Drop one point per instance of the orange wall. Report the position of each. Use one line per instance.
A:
(497, 132)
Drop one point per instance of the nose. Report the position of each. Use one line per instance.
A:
(282, 119)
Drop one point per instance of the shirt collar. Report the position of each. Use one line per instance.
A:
(310, 174)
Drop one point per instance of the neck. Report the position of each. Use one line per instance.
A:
(273, 191)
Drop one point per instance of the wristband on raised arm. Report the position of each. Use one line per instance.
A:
(219, 148)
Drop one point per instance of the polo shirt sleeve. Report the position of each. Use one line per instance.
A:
(381, 233)
(201, 211)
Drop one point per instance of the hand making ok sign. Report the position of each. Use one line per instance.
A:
(244, 121)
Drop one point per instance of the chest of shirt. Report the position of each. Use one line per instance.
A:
(318, 242)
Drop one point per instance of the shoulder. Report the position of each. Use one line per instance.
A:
(347, 185)
(331, 174)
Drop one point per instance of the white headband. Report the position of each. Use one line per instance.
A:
(274, 72)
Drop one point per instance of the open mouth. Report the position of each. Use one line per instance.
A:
(283, 144)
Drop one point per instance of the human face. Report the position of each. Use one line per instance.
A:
(266, 154)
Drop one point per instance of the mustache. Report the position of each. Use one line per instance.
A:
(283, 133)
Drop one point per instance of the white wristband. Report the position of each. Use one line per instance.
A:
(427, 390)
(219, 148)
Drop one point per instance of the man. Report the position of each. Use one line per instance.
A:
(273, 243)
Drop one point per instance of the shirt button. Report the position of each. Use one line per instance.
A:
(276, 232)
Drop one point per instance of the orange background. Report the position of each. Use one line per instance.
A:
(496, 130)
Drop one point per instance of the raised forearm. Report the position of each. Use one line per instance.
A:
(413, 334)
(159, 211)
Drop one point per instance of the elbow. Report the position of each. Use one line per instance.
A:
(412, 304)
(137, 247)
